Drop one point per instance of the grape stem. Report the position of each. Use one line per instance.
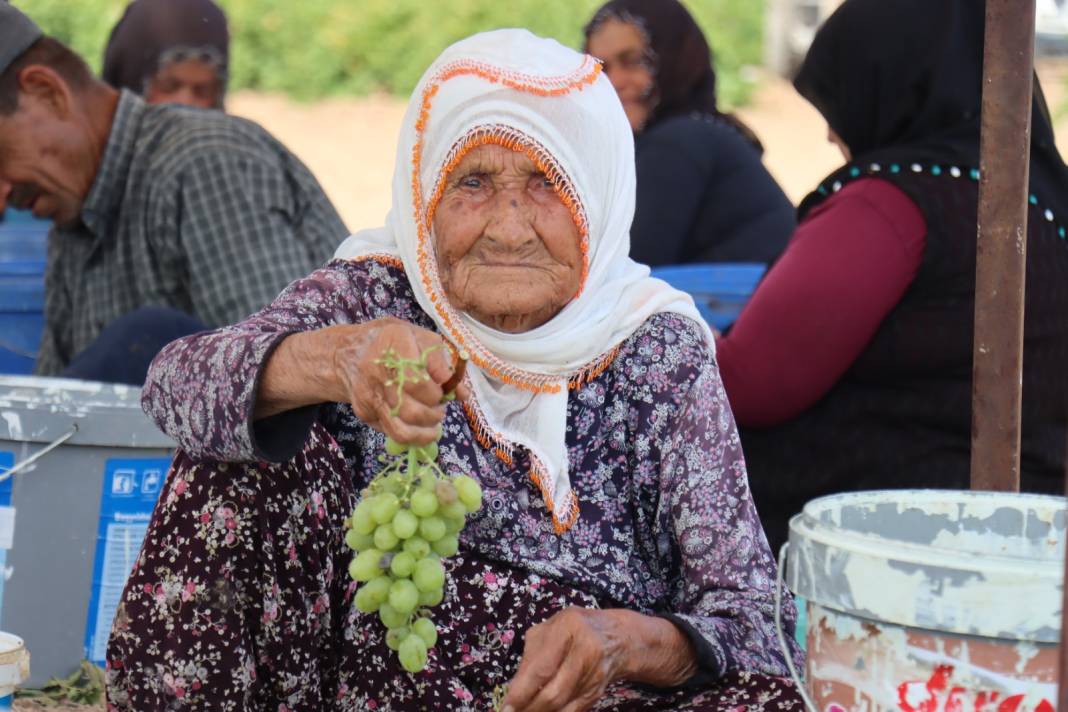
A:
(405, 370)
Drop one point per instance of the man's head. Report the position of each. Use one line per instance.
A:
(54, 123)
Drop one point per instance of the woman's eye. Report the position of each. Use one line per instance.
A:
(544, 182)
(471, 181)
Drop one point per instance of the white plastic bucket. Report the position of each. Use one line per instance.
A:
(931, 600)
(14, 668)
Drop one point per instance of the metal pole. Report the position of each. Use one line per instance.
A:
(1008, 68)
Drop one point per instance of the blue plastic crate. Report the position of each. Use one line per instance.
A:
(719, 290)
(23, 252)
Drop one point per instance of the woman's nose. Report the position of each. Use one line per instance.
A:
(512, 222)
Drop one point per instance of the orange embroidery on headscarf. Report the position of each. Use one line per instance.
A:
(584, 75)
(495, 442)
(381, 257)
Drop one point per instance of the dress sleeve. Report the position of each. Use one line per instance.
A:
(201, 389)
(846, 267)
(723, 592)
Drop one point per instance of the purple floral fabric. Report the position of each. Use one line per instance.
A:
(666, 524)
(239, 601)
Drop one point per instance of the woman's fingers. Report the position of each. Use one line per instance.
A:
(542, 655)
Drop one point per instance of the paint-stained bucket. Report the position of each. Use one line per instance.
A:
(14, 668)
(81, 468)
(931, 601)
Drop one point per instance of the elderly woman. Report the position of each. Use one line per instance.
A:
(617, 562)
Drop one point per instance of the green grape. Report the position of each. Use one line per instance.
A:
(396, 636)
(362, 522)
(428, 481)
(366, 565)
(445, 491)
(429, 575)
(425, 629)
(385, 508)
(395, 448)
(431, 598)
(424, 503)
(405, 524)
(385, 538)
(358, 541)
(403, 565)
(432, 528)
(412, 653)
(403, 596)
(377, 590)
(446, 545)
(391, 617)
(454, 525)
(364, 601)
(469, 491)
(417, 546)
(453, 510)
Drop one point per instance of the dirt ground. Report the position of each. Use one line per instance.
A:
(350, 146)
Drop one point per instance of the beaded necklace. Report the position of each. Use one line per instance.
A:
(874, 169)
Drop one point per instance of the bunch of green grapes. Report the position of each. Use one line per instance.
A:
(408, 518)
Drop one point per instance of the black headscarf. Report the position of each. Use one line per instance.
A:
(901, 82)
(682, 61)
(154, 31)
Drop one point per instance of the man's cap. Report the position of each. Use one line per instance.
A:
(17, 33)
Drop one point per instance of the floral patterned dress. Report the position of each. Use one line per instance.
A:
(240, 599)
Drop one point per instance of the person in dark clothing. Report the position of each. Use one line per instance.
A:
(851, 366)
(703, 193)
(170, 52)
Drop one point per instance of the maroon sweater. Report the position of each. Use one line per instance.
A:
(846, 266)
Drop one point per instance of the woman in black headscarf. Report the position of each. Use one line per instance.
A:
(851, 366)
(703, 193)
(170, 51)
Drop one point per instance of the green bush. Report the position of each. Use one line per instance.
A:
(314, 48)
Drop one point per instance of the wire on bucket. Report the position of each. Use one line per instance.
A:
(779, 585)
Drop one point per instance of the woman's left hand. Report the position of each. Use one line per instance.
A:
(568, 661)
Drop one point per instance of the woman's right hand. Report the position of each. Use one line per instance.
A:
(340, 364)
(365, 382)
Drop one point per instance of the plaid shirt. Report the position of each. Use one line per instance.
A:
(196, 210)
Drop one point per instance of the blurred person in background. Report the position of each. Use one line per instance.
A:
(703, 192)
(166, 220)
(851, 366)
(170, 52)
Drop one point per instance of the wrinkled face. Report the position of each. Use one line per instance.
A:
(191, 82)
(623, 50)
(47, 157)
(508, 250)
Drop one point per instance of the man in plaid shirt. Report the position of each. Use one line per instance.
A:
(198, 212)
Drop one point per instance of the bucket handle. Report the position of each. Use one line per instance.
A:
(779, 585)
(19, 467)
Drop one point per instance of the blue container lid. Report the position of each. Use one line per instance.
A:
(727, 279)
(23, 243)
(21, 293)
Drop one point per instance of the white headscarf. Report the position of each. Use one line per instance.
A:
(512, 88)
